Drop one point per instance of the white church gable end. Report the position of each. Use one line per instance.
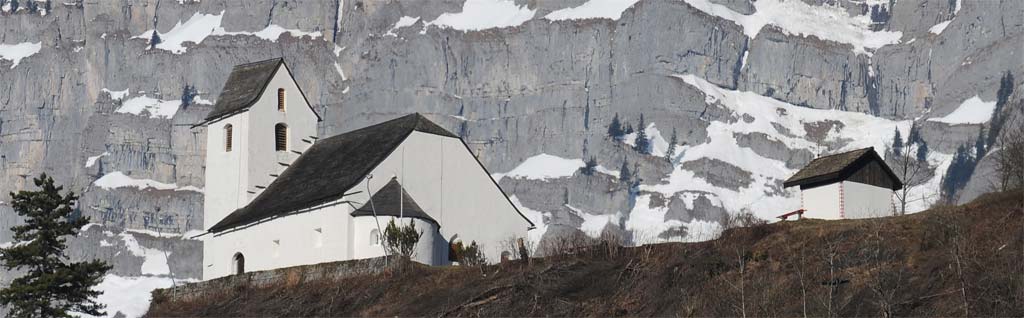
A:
(279, 196)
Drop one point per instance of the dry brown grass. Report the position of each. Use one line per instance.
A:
(949, 261)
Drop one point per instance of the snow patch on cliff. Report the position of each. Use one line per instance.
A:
(593, 9)
(16, 52)
(543, 167)
(118, 179)
(157, 108)
(971, 111)
(795, 17)
(200, 26)
(154, 261)
(938, 28)
(116, 95)
(479, 15)
(92, 160)
(404, 21)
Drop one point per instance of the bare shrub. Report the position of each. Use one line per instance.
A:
(471, 255)
(1009, 158)
(401, 240)
(743, 219)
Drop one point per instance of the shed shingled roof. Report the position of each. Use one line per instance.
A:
(387, 202)
(244, 87)
(328, 168)
(837, 167)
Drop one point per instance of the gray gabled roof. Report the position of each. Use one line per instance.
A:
(837, 167)
(244, 87)
(388, 202)
(328, 168)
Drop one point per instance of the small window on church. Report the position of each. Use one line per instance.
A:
(277, 248)
(239, 263)
(227, 138)
(281, 137)
(374, 237)
(280, 99)
(318, 237)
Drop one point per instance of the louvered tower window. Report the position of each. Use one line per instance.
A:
(280, 99)
(281, 137)
(227, 138)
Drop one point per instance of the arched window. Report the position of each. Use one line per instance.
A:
(239, 263)
(281, 137)
(280, 99)
(227, 138)
(374, 237)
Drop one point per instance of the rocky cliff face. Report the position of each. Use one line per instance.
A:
(92, 97)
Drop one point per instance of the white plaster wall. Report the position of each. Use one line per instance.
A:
(298, 242)
(447, 182)
(866, 201)
(263, 116)
(432, 249)
(226, 177)
(821, 202)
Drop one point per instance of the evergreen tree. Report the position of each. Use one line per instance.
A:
(32, 6)
(628, 130)
(14, 6)
(154, 40)
(922, 152)
(915, 134)
(48, 5)
(615, 128)
(1002, 97)
(642, 144)
(979, 144)
(671, 146)
(897, 143)
(51, 287)
(188, 96)
(624, 174)
(636, 176)
(590, 166)
(958, 173)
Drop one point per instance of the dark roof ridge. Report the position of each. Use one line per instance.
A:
(385, 202)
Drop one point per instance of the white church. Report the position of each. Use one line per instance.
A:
(277, 195)
(851, 185)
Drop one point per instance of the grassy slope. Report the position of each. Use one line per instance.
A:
(901, 265)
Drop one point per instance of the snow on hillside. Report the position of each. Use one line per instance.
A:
(536, 217)
(118, 179)
(659, 145)
(593, 9)
(129, 295)
(971, 111)
(858, 131)
(157, 108)
(795, 17)
(479, 15)
(16, 52)
(116, 95)
(200, 26)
